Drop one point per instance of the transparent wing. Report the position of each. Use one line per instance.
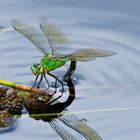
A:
(34, 35)
(75, 123)
(58, 42)
(61, 131)
(89, 54)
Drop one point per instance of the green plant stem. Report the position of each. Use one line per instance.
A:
(20, 86)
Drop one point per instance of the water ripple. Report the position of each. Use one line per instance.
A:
(106, 82)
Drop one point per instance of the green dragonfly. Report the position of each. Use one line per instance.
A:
(52, 43)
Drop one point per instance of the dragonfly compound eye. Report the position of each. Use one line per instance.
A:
(36, 69)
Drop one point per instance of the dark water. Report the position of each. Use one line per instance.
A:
(108, 88)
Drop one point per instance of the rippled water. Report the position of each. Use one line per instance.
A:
(107, 88)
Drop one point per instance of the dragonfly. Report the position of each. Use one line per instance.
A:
(54, 46)
(57, 113)
(40, 108)
(67, 119)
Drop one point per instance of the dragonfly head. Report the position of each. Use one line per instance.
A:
(36, 69)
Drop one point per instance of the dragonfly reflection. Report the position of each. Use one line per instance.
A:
(57, 112)
(46, 109)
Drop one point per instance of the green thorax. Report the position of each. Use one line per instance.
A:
(51, 63)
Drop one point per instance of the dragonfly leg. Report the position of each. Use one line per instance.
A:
(46, 80)
(56, 85)
(35, 82)
(57, 80)
(41, 78)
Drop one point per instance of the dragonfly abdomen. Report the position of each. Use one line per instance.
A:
(50, 63)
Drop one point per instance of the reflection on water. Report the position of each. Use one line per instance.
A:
(107, 83)
(40, 107)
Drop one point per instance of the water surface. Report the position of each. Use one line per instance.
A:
(106, 83)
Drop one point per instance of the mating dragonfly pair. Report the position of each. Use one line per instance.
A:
(52, 43)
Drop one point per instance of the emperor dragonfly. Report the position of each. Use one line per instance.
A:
(51, 43)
